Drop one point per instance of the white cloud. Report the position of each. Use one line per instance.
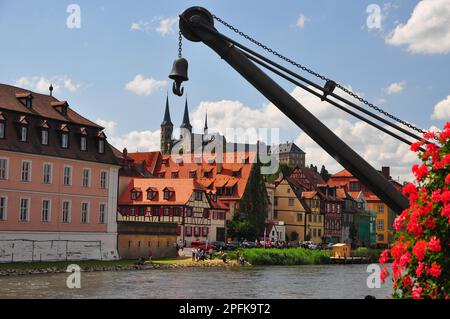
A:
(143, 86)
(41, 84)
(442, 110)
(140, 26)
(166, 26)
(427, 31)
(301, 21)
(142, 141)
(395, 87)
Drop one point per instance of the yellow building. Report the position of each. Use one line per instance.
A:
(289, 209)
(315, 220)
(382, 221)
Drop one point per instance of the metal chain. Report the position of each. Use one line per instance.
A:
(242, 34)
(180, 44)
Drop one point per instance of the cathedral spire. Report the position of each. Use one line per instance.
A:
(205, 129)
(186, 123)
(167, 121)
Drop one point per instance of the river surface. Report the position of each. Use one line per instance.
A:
(325, 281)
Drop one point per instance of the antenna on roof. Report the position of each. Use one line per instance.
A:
(51, 89)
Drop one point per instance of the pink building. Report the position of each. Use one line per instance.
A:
(58, 181)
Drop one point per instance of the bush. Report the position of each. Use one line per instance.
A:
(287, 256)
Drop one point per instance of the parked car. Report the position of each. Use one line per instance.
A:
(218, 245)
(328, 246)
(232, 245)
(248, 244)
(197, 244)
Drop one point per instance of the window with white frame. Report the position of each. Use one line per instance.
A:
(26, 171)
(380, 224)
(103, 179)
(66, 212)
(46, 207)
(44, 137)
(3, 168)
(86, 178)
(64, 140)
(83, 143)
(24, 209)
(3, 207)
(47, 173)
(2, 129)
(102, 212)
(85, 213)
(23, 133)
(101, 146)
(67, 176)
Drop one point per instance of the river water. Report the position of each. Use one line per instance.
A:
(325, 281)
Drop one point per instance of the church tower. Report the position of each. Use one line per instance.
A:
(166, 131)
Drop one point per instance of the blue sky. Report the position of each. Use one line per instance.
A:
(93, 64)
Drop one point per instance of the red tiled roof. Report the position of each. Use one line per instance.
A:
(182, 189)
(42, 105)
(189, 165)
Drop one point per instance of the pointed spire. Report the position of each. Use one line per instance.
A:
(186, 123)
(167, 120)
(205, 129)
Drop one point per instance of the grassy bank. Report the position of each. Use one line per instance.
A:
(288, 256)
(62, 265)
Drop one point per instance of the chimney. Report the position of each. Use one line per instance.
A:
(386, 171)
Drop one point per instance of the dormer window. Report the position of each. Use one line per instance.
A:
(2, 125)
(26, 99)
(135, 193)
(23, 133)
(198, 195)
(83, 143)
(29, 103)
(168, 193)
(193, 174)
(44, 137)
(101, 146)
(207, 174)
(101, 142)
(64, 140)
(60, 106)
(165, 161)
(175, 175)
(151, 193)
(2, 129)
(236, 172)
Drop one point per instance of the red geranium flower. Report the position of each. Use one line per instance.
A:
(420, 249)
(435, 270)
(434, 244)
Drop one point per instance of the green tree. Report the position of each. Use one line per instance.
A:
(248, 221)
(353, 232)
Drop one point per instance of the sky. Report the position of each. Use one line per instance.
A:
(110, 60)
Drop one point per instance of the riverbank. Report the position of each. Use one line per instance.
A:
(252, 256)
(36, 268)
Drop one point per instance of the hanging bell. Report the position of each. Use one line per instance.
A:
(179, 75)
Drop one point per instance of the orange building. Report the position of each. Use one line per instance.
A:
(58, 181)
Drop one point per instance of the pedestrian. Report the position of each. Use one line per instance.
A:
(238, 254)
(150, 255)
(193, 253)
